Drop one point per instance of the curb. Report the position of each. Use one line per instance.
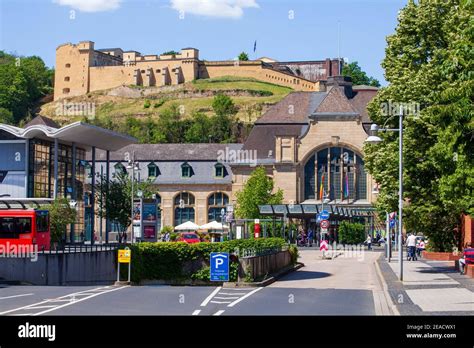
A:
(265, 282)
(392, 306)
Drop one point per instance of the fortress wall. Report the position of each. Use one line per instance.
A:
(72, 69)
(258, 72)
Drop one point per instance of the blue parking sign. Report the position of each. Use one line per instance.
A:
(219, 267)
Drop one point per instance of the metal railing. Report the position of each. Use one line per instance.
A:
(252, 252)
(81, 248)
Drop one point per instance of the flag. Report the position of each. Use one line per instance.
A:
(255, 46)
(346, 187)
(321, 188)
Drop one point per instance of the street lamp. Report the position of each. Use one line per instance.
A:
(374, 139)
(133, 166)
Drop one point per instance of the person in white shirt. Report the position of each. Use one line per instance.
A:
(369, 242)
(411, 245)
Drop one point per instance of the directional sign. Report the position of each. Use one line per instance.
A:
(219, 267)
(324, 215)
(324, 224)
(392, 223)
(323, 246)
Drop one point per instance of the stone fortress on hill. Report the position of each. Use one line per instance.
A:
(80, 69)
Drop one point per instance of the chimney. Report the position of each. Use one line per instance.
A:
(344, 83)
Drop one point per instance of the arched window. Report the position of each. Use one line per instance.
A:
(153, 170)
(183, 208)
(338, 173)
(186, 170)
(215, 204)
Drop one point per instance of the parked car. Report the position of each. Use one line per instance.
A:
(189, 238)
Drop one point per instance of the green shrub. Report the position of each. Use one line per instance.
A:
(351, 233)
(294, 253)
(167, 229)
(146, 104)
(159, 103)
(167, 260)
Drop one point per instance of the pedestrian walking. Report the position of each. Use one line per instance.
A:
(310, 237)
(411, 246)
(369, 242)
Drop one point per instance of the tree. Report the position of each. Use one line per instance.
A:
(428, 64)
(61, 214)
(170, 53)
(23, 80)
(243, 56)
(114, 202)
(258, 190)
(6, 116)
(198, 132)
(358, 76)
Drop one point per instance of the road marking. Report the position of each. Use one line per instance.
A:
(196, 312)
(82, 299)
(39, 307)
(220, 301)
(13, 296)
(208, 298)
(59, 299)
(219, 312)
(244, 297)
(235, 293)
(238, 289)
(227, 297)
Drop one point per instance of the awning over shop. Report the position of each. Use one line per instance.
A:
(301, 211)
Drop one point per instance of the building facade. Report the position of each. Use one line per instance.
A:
(80, 69)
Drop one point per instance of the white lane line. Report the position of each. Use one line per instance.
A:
(62, 298)
(220, 301)
(39, 307)
(219, 312)
(227, 297)
(232, 294)
(80, 300)
(244, 297)
(196, 312)
(13, 296)
(238, 289)
(208, 298)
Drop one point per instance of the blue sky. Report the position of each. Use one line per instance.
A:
(220, 29)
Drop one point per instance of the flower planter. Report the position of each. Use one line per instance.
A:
(439, 256)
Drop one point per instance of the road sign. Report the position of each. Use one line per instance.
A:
(219, 267)
(257, 221)
(324, 215)
(124, 255)
(323, 246)
(392, 223)
(324, 224)
(324, 230)
(318, 218)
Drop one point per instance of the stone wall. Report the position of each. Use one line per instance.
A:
(80, 268)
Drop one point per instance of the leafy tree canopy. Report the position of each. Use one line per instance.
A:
(359, 77)
(258, 190)
(243, 56)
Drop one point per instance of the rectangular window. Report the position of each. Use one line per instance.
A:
(220, 171)
(12, 227)
(152, 171)
(186, 171)
(42, 221)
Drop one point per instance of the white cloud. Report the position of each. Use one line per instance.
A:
(214, 8)
(90, 5)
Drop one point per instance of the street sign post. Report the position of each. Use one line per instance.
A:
(324, 215)
(219, 267)
(124, 256)
(324, 224)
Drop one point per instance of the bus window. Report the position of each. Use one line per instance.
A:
(12, 227)
(42, 222)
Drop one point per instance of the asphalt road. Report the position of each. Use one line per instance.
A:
(343, 286)
(172, 300)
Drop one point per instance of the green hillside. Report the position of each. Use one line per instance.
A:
(251, 98)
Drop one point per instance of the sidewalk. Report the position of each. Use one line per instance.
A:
(428, 287)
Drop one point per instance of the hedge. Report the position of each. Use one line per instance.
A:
(182, 261)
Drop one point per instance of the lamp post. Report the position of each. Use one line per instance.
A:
(374, 139)
(133, 166)
(324, 200)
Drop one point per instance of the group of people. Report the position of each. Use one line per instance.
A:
(305, 239)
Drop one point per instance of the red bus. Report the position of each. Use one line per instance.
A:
(25, 227)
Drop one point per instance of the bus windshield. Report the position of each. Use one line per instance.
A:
(12, 227)
(42, 221)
